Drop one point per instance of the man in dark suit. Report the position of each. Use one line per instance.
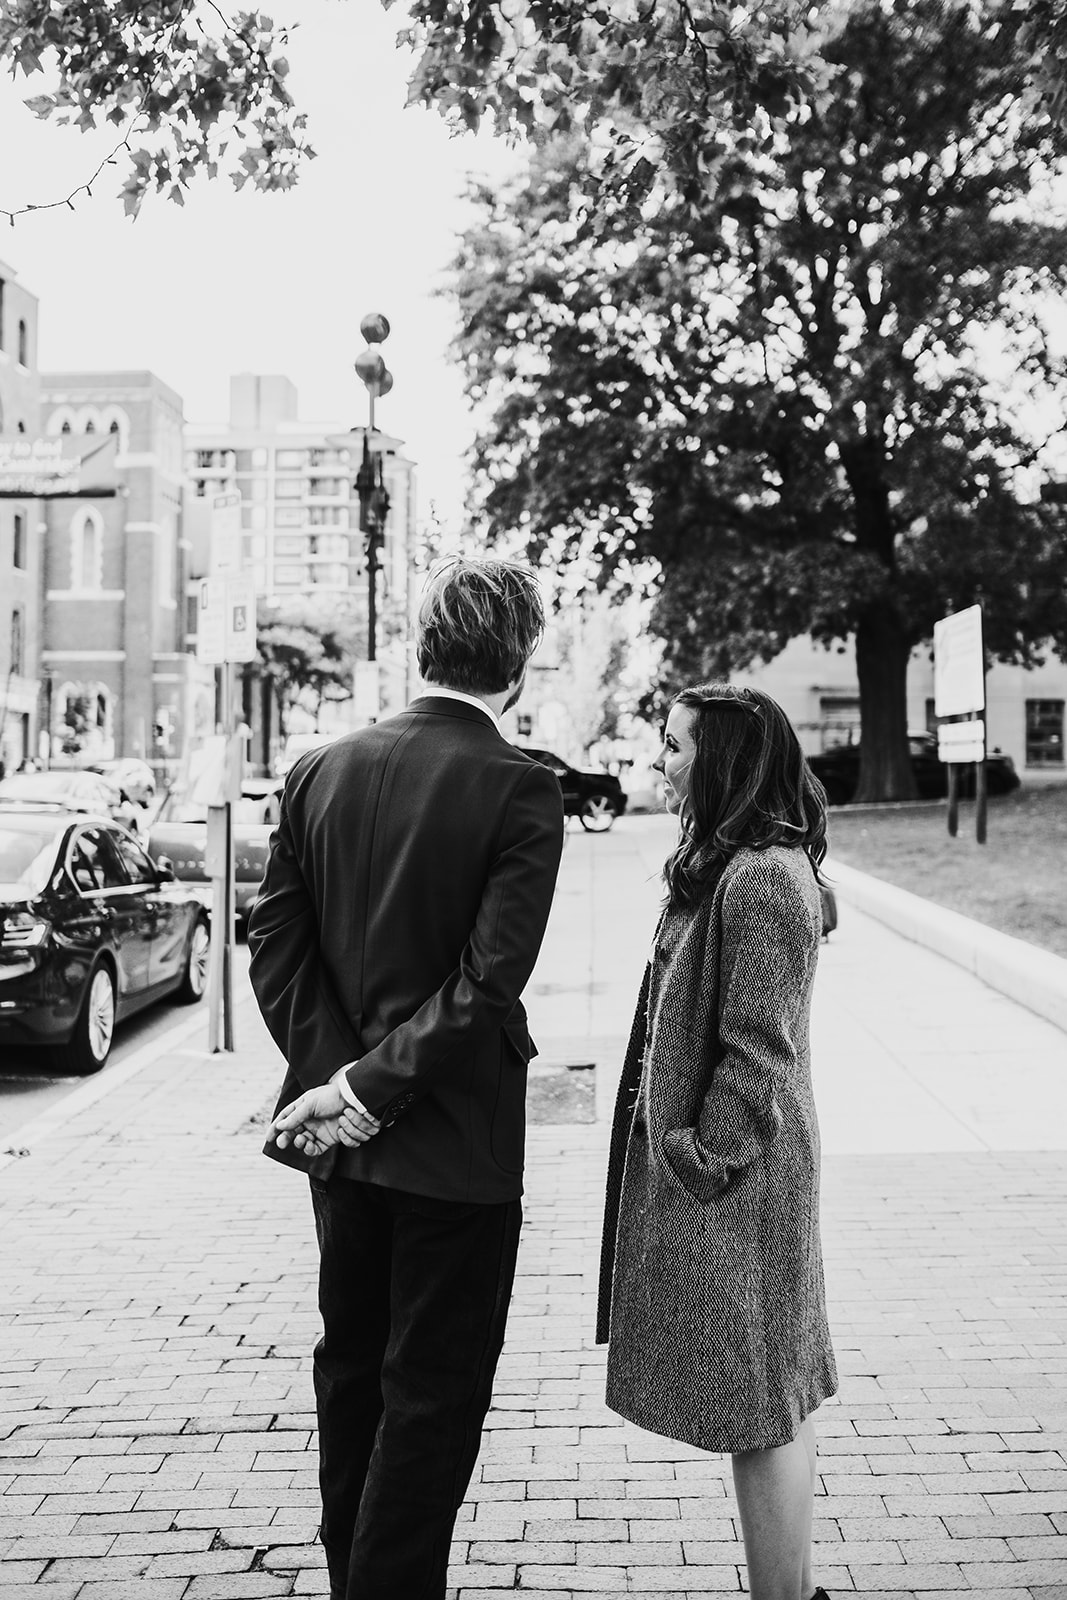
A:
(405, 900)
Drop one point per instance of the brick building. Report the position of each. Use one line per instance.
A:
(118, 680)
(20, 543)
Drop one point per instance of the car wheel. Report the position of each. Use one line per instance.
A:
(597, 814)
(90, 1044)
(194, 978)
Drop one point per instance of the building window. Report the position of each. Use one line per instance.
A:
(18, 543)
(205, 458)
(90, 426)
(290, 460)
(200, 488)
(839, 719)
(1044, 733)
(24, 344)
(17, 662)
(113, 427)
(86, 549)
(66, 426)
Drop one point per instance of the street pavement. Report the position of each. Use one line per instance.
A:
(157, 1432)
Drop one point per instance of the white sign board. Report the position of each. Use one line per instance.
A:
(366, 691)
(227, 550)
(226, 620)
(959, 664)
(961, 741)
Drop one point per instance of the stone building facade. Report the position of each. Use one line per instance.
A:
(20, 532)
(118, 679)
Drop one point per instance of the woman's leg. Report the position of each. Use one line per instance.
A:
(807, 1434)
(774, 1492)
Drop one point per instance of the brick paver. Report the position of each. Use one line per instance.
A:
(157, 1428)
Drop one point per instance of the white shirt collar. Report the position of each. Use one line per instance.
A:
(468, 699)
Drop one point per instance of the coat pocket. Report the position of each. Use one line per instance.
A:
(702, 1173)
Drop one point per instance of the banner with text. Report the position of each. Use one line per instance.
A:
(70, 464)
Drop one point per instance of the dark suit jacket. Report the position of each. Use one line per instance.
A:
(405, 899)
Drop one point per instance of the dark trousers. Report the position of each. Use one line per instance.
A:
(414, 1297)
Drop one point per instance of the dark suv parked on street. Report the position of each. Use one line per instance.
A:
(838, 770)
(595, 798)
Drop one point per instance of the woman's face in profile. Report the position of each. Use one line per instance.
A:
(676, 756)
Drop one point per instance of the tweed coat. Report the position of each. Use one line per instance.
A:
(711, 1291)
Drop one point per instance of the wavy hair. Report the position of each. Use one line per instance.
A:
(479, 623)
(749, 785)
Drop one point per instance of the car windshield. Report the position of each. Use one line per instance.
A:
(27, 853)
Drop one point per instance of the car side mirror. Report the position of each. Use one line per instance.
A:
(165, 869)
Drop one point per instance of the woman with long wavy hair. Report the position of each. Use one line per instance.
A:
(712, 1297)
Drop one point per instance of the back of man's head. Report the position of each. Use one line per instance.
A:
(479, 623)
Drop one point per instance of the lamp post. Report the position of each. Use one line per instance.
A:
(370, 481)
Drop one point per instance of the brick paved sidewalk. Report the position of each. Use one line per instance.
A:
(157, 1433)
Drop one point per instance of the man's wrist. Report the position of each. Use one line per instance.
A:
(340, 1078)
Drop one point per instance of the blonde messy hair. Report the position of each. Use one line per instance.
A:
(479, 623)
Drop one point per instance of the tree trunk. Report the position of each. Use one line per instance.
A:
(882, 653)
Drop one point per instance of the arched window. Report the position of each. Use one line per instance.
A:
(20, 426)
(66, 425)
(90, 426)
(115, 420)
(24, 343)
(16, 654)
(86, 549)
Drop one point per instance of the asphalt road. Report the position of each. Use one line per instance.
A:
(30, 1086)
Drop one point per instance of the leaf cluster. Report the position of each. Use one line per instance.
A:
(307, 647)
(779, 398)
(179, 91)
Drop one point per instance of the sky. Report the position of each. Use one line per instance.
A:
(269, 283)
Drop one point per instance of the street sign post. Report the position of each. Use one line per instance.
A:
(959, 691)
(226, 534)
(226, 635)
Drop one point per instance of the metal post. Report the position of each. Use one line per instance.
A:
(953, 799)
(980, 802)
(221, 872)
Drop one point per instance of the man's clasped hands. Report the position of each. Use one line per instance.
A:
(320, 1118)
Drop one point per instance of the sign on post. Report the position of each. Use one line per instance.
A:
(227, 550)
(959, 664)
(226, 620)
(959, 691)
(962, 741)
(366, 691)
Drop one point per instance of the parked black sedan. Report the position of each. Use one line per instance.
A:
(595, 798)
(91, 930)
(838, 770)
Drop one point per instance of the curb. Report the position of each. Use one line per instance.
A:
(1033, 977)
(38, 1128)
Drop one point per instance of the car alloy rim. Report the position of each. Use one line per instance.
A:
(101, 1014)
(199, 951)
(598, 812)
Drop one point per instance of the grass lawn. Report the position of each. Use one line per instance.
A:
(1016, 881)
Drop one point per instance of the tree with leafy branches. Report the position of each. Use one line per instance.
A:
(193, 88)
(306, 649)
(809, 403)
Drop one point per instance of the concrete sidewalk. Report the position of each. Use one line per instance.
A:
(158, 1314)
